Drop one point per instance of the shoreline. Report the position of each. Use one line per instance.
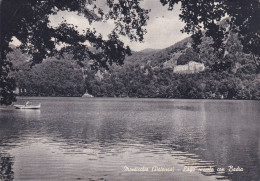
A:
(3, 107)
(136, 98)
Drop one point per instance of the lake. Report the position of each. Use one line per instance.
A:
(131, 139)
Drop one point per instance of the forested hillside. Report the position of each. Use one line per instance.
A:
(147, 73)
(233, 75)
(53, 77)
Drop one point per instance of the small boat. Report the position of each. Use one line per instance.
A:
(87, 95)
(28, 105)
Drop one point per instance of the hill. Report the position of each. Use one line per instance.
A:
(150, 73)
(231, 57)
(156, 57)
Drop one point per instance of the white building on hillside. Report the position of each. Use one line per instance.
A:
(191, 67)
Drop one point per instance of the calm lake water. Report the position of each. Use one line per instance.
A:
(131, 139)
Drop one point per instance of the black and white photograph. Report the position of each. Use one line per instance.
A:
(129, 90)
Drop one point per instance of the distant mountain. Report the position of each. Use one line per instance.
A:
(180, 72)
(158, 57)
(149, 50)
(149, 73)
(181, 53)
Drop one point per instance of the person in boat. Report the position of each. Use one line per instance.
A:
(28, 103)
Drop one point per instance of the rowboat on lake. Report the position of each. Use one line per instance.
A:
(28, 105)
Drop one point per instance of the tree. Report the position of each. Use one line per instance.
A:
(47, 81)
(188, 56)
(28, 21)
(204, 15)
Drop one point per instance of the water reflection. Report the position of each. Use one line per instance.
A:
(97, 137)
(6, 164)
(30, 114)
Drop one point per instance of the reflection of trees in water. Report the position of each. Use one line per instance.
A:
(232, 139)
(13, 127)
(89, 131)
(12, 131)
(234, 146)
(114, 129)
(203, 129)
(6, 171)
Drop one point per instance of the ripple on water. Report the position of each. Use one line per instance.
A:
(75, 139)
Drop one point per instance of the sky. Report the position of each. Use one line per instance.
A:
(163, 26)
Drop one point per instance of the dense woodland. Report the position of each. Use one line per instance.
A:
(28, 21)
(162, 83)
(147, 74)
(53, 77)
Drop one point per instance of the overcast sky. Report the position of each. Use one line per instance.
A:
(163, 27)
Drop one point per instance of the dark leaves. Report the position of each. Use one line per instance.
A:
(28, 21)
(204, 15)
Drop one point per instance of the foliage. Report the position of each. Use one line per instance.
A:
(7, 83)
(188, 56)
(233, 76)
(28, 21)
(53, 77)
(206, 15)
(181, 53)
(144, 75)
(135, 81)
